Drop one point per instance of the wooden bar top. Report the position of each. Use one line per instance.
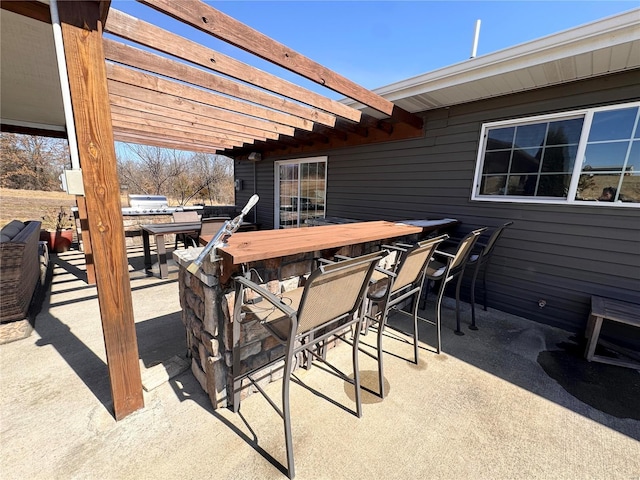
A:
(252, 246)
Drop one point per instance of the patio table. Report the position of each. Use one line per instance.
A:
(159, 230)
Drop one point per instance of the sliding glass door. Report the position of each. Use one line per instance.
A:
(300, 194)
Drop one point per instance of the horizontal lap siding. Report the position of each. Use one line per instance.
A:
(560, 253)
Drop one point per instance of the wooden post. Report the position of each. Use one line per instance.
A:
(82, 37)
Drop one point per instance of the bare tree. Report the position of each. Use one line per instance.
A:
(32, 163)
(176, 174)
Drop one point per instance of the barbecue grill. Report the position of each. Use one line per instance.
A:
(151, 205)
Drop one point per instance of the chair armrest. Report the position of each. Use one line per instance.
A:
(398, 248)
(386, 272)
(267, 295)
(444, 254)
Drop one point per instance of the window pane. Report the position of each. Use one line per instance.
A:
(601, 187)
(493, 185)
(608, 156)
(531, 135)
(634, 157)
(565, 132)
(613, 124)
(553, 185)
(496, 162)
(526, 161)
(630, 190)
(559, 159)
(522, 185)
(500, 138)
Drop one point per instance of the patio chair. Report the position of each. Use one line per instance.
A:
(301, 320)
(447, 266)
(481, 255)
(393, 289)
(186, 216)
(210, 226)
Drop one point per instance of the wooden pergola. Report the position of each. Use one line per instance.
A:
(124, 93)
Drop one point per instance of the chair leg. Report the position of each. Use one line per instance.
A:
(484, 287)
(438, 315)
(356, 370)
(286, 414)
(380, 361)
(415, 326)
(473, 297)
(457, 331)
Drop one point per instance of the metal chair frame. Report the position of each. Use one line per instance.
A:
(403, 285)
(453, 266)
(483, 257)
(319, 316)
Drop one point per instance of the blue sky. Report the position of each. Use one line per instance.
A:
(375, 43)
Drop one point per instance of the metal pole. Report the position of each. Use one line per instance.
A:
(476, 36)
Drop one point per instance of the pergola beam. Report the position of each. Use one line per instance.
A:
(181, 104)
(188, 120)
(155, 141)
(176, 126)
(156, 84)
(209, 20)
(143, 33)
(133, 57)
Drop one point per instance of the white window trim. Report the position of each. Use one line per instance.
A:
(573, 186)
(276, 183)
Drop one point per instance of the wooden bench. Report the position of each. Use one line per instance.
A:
(615, 311)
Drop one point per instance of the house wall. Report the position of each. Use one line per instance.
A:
(559, 253)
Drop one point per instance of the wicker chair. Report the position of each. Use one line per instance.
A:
(19, 268)
(302, 320)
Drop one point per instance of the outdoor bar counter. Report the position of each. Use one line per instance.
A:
(276, 258)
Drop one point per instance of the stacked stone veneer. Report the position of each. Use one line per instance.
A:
(207, 314)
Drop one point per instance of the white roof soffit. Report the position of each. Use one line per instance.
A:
(605, 46)
(29, 81)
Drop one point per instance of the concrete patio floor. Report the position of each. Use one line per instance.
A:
(513, 400)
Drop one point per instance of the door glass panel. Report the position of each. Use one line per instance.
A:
(302, 188)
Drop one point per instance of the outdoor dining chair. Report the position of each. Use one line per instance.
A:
(302, 320)
(447, 266)
(479, 257)
(393, 289)
(186, 216)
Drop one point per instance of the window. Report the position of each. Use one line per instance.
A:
(300, 191)
(585, 157)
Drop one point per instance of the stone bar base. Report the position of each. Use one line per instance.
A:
(206, 306)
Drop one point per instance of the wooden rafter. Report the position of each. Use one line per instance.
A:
(150, 62)
(165, 143)
(127, 76)
(143, 33)
(209, 20)
(146, 99)
(177, 126)
(133, 127)
(167, 116)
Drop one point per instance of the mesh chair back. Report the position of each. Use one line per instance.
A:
(414, 261)
(466, 244)
(187, 216)
(494, 238)
(335, 291)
